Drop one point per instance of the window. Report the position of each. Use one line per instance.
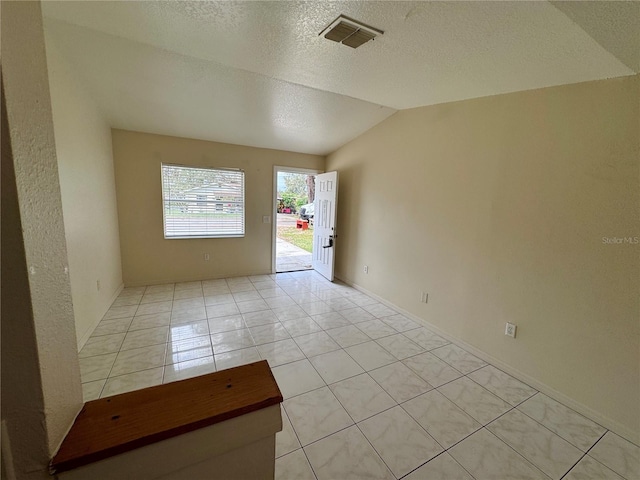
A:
(202, 202)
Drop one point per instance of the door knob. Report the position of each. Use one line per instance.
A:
(330, 242)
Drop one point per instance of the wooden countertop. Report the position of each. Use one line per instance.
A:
(113, 425)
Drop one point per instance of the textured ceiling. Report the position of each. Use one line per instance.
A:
(257, 73)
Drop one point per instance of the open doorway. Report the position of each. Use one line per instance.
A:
(294, 219)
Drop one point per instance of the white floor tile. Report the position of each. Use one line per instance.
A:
(188, 349)
(102, 345)
(294, 466)
(246, 296)
(301, 326)
(226, 324)
(189, 369)
(279, 353)
(379, 310)
(144, 358)
(92, 390)
(121, 312)
(502, 385)
(356, 315)
(376, 328)
(441, 418)
(370, 355)
(340, 303)
(567, 423)
(291, 312)
(427, 339)
(127, 300)
(546, 450)
(316, 414)
(590, 469)
(400, 382)
(182, 331)
(156, 297)
(236, 358)
(233, 340)
(361, 299)
(165, 287)
(132, 381)
(280, 302)
(346, 454)
(362, 397)
(443, 467)
(330, 320)
(400, 441)
(400, 323)
(400, 346)
(144, 338)
(475, 400)
(271, 292)
(348, 336)
(156, 307)
(184, 286)
(485, 456)
(262, 317)
(109, 327)
(286, 439)
(127, 291)
(252, 306)
(269, 333)
(210, 291)
(304, 297)
(220, 299)
(620, 455)
(335, 366)
(458, 358)
(222, 310)
(316, 308)
(241, 287)
(187, 315)
(432, 369)
(296, 378)
(188, 298)
(97, 367)
(316, 344)
(188, 303)
(149, 321)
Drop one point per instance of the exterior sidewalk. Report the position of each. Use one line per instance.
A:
(290, 258)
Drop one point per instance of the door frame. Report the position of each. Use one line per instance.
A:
(274, 200)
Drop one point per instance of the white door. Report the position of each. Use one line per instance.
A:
(324, 224)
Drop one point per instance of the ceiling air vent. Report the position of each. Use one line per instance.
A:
(350, 32)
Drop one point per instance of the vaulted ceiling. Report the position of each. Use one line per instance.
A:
(258, 73)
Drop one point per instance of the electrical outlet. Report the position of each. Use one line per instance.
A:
(510, 330)
(366, 269)
(206, 257)
(266, 219)
(425, 297)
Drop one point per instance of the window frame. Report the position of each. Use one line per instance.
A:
(196, 202)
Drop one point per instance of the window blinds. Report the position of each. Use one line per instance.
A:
(202, 202)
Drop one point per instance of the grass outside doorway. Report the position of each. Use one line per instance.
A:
(298, 237)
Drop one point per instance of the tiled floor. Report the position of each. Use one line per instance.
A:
(368, 392)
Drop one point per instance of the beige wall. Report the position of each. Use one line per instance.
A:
(148, 258)
(41, 390)
(87, 185)
(497, 208)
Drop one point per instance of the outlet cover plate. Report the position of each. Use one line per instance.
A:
(510, 330)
